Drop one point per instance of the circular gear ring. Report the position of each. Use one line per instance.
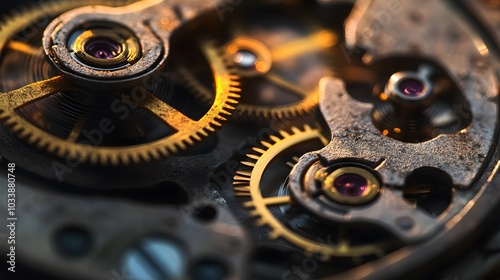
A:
(188, 131)
(273, 68)
(247, 183)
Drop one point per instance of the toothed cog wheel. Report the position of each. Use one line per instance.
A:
(104, 95)
(280, 56)
(262, 182)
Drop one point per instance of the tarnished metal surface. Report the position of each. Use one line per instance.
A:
(114, 226)
(382, 30)
(259, 198)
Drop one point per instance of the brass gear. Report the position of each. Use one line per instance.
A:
(187, 130)
(248, 184)
(274, 78)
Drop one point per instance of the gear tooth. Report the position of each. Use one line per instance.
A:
(248, 163)
(189, 141)
(172, 149)
(224, 112)
(210, 129)
(203, 133)
(94, 159)
(284, 134)
(10, 122)
(32, 139)
(69, 153)
(144, 155)
(163, 151)
(258, 150)
(229, 107)
(241, 194)
(50, 148)
(219, 117)
(231, 101)
(196, 137)
(234, 89)
(275, 138)
(134, 157)
(126, 160)
(245, 189)
(23, 133)
(239, 183)
(295, 130)
(266, 144)
(78, 158)
(42, 145)
(252, 156)
(244, 173)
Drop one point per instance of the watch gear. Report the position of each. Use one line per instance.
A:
(280, 56)
(386, 167)
(53, 114)
(269, 201)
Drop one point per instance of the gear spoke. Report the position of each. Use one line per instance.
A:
(70, 117)
(24, 48)
(12, 100)
(77, 130)
(277, 200)
(167, 113)
(279, 81)
(315, 42)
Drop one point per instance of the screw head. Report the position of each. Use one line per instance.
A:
(155, 258)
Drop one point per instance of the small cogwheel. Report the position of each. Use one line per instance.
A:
(272, 205)
(280, 65)
(49, 111)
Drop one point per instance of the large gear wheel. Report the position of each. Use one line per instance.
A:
(50, 112)
(281, 56)
(250, 183)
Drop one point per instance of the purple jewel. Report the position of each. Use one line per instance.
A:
(102, 48)
(411, 87)
(351, 185)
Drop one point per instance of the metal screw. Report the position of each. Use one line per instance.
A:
(155, 259)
